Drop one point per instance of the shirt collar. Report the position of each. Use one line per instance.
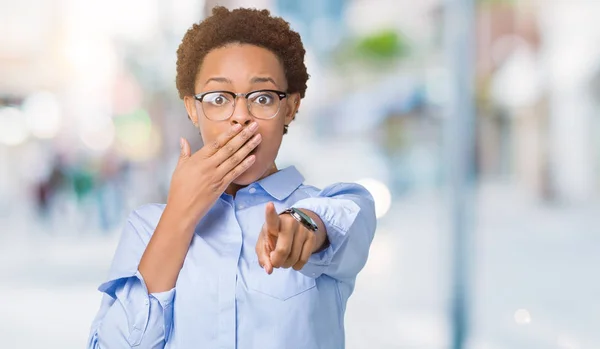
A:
(282, 183)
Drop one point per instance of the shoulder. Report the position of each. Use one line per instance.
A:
(136, 234)
(337, 189)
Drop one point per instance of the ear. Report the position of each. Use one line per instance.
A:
(190, 106)
(293, 103)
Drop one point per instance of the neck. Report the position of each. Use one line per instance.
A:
(233, 188)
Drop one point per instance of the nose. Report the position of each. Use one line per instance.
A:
(241, 114)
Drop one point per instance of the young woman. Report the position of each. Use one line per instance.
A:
(243, 254)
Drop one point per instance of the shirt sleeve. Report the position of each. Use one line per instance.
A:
(348, 213)
(130, 317)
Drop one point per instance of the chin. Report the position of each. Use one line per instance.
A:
(251, 175)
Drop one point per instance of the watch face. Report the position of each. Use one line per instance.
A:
(306, 218)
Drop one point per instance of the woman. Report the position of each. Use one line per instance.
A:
(243, 255)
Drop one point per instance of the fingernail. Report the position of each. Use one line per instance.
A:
(181, 143)
(265, 268)
(253, 126)
(237, 127)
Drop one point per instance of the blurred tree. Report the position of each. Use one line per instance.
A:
(379, 50)
(384, 45)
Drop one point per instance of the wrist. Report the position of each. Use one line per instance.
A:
(179, 219)
(321, 232)
(322, 241)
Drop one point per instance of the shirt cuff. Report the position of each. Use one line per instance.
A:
(165, 301)
(165, 298)
(337, 215)
(132, 293)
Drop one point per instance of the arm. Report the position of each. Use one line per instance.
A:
(129, 315)
(164, 256)
(137, 307)
(347, 214)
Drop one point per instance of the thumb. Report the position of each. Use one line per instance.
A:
(185, 151)
(272, 219)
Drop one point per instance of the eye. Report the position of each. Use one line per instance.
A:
(217, 99)
(263, 98)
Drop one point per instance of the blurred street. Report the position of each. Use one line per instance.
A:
(90, 122)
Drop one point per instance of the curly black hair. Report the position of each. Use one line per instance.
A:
(248, 26)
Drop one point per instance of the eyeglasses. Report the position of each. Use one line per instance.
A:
(220, 105)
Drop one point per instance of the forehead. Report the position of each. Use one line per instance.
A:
(240, 63)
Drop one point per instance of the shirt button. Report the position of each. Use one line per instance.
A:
(252, 190)
(241, 207)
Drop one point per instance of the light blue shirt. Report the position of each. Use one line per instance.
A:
(222, 297)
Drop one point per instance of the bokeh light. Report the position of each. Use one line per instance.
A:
(98, 133)
(381, 194)
(43, 114)
(137, 139)
(90, 121)
(13, 129)
(522, 317)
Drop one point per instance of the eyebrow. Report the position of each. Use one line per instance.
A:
(218, 79)
(254, 80)
(258, 79)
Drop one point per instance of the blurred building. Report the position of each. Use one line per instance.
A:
(90, 121)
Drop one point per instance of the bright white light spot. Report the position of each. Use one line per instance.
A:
(522, 317)
(43, 114)
(13, 129)
(90, 56)
(381, 195)
(98, 135)
(518, 83)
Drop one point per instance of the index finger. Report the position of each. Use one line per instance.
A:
(211, 149)
(285, 241)
(272, 219)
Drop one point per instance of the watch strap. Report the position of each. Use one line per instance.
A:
(299, 216)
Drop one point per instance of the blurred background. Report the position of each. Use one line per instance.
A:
(90, 121)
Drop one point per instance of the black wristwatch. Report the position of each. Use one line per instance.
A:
(303, 218)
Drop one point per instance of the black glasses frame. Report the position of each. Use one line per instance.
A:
(199, 97)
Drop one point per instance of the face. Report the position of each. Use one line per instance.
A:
(242, 68)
